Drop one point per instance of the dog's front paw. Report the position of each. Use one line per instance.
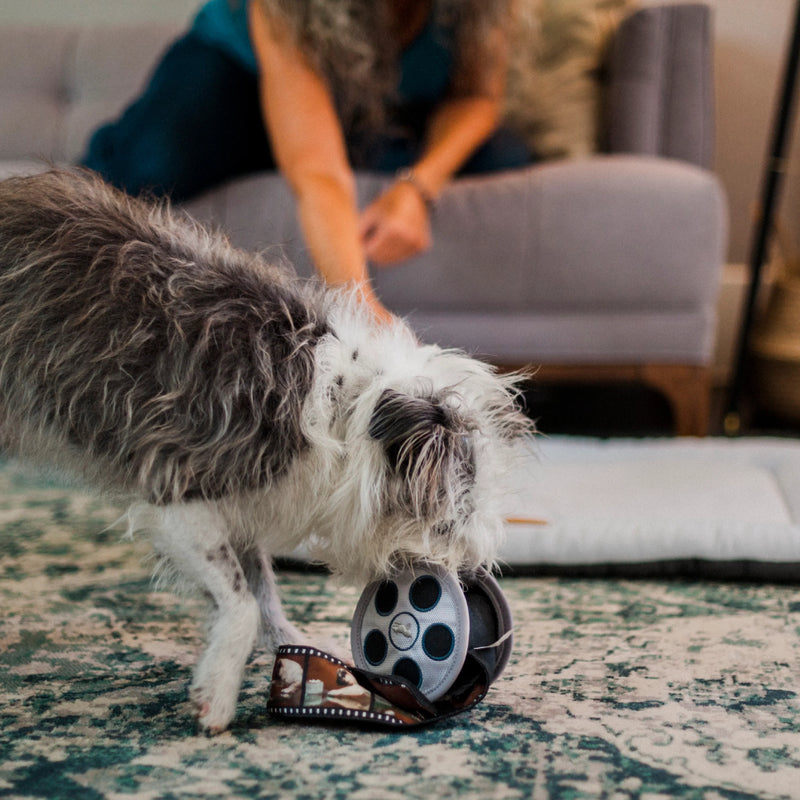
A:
(214, 711)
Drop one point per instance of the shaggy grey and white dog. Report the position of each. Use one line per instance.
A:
(239, 410)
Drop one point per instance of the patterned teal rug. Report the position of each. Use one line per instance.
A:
(615, 689)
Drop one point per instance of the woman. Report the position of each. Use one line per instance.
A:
(314, 88)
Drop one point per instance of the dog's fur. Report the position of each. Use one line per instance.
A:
(239, 410)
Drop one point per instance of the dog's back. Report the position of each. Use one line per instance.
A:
(166, 362)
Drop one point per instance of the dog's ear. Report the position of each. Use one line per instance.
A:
(428, 445)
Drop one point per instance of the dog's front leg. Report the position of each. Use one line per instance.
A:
(194, 539)
(275, 628)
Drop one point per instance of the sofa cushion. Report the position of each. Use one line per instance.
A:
(660, 100)
(58, 84)
(33, 65)
(604, 259)
(569, 236)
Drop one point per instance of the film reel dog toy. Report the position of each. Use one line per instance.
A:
(420, 625)
(425, 646)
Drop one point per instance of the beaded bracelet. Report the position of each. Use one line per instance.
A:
(407, 175)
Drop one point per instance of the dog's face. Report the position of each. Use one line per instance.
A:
(422, 437)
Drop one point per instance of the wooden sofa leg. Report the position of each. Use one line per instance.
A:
(688, 391)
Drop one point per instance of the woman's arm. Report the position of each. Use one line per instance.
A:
(396, 226)
(309, 148)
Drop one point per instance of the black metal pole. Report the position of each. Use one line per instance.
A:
(773, 174)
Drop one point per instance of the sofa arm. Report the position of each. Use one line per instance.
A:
(660, 94)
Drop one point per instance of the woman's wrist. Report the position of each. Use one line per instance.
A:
(407, 175)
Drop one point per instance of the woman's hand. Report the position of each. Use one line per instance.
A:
(396, 226)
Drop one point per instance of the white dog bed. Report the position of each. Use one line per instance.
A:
(711, 507)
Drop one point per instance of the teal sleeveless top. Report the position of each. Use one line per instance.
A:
(426, 64)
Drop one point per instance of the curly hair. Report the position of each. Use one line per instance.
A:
(350, 43)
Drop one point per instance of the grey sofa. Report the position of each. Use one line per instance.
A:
(604, 267)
